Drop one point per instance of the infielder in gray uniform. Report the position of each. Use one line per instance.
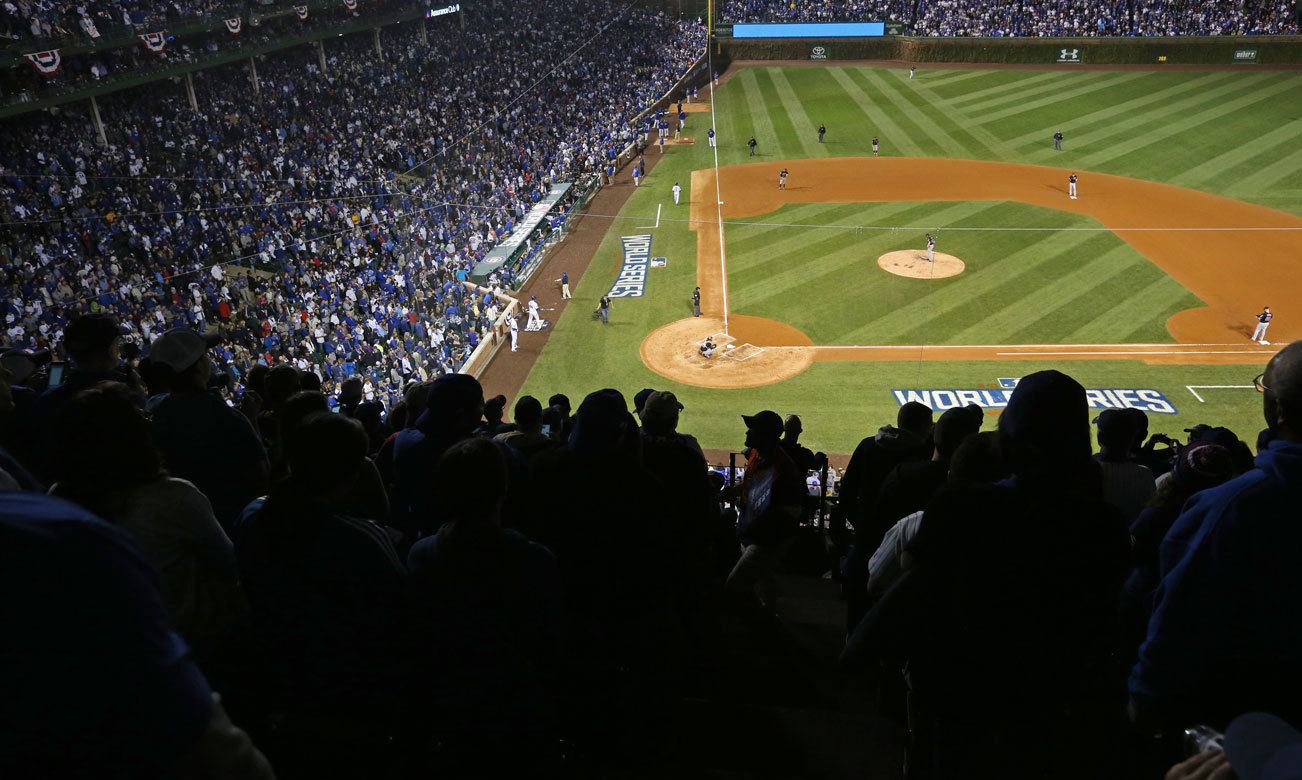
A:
(931, 248)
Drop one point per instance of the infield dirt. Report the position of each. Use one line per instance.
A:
(1235, 256)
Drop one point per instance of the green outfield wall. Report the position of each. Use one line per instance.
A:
(1244, 51)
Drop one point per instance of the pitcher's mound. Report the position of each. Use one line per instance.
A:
(913, 264)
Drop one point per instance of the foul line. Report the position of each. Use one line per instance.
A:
(1191, 389)
(657, 224)
(917, 228)
(1126, 352)
(718, 194)
(1085, 349)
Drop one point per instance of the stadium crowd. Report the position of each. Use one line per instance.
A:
(437, 589)
(281, 217)
(1049, 18)
(45, 20)
(123, 58)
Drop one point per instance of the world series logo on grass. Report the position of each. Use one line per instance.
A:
(1144, 399)
(631, 282)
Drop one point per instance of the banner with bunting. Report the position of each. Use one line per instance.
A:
(234, 25)
(301, 10)
(154, 41)
(47, 62)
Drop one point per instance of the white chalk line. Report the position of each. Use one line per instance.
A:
(1084, 349)
(1195, 388)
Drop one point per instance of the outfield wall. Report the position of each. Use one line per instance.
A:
(1244, 51)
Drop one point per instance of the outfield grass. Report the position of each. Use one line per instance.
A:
(1233, 133)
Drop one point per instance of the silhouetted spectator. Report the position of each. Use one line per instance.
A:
(1200, 466)
(203, 440)
(1006, 617)
(107, 462)
(326, 592)
(488, 616)
(91, 342)
(454, 410)
(909, 439)
(909, 486)
(96, 684)
(770, 497)
(800, 455)
(527, 437)
(1126, 484)
(977, 461)
(1224, 637)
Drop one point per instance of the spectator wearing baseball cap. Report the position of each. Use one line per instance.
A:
(91, 343)
(1126, 484)
(639, 400)
(770, 496)
(201, 438)
(692, 516)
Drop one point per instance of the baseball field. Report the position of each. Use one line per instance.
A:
(820, 297)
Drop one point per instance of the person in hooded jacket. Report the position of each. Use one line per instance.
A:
(1224, 637)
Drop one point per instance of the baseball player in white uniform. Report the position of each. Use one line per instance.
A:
(535, 322)
(931, 248)
(1071, 185)
(1263, 322)
(678, 192)
(515, 333)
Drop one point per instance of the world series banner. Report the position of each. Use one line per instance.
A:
(631, 282)
(940, 399)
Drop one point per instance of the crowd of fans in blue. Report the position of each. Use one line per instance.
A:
(93, 61)
(299, 544)
(44, 20)
(329, 220)
(438, 590)
(1050, 18)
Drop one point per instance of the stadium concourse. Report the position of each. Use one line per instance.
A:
(254, 524)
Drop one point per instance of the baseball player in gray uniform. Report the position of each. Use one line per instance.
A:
(931, 248)
(1263, 322)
